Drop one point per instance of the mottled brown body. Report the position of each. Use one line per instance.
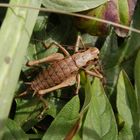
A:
(55, 74)
(60, 70)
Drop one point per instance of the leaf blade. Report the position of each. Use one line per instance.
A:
(66, 119)
(13, 131)
(71, 5)
(127, 108)
(100, 119)
(13, 47)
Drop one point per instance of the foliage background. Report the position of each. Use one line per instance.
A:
(100, 111)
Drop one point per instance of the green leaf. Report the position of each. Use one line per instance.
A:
(72, 5)
(137, 78)
(27, 112)
(100, 122)
(133, 42)
(137, 85)
(127, 108)
(88, 95)
(110, 55)
(13, 131)
(124, 12)
(41, 24)
(64, 121)
(14, 37)
(76, 137)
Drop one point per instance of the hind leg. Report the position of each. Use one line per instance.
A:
(44, 101)
(50, 58)
(68, 82)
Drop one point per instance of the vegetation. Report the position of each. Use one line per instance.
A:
(107, 109)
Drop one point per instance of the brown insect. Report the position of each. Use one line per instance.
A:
(64, 71)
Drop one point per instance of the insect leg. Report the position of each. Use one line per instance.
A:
(78, 83)
(79, 40)
(21, 94)
(95, 73)
(45, 104)
(60, 47)
(68, 82)
(50, 58)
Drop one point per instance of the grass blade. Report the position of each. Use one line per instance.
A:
(14, 37)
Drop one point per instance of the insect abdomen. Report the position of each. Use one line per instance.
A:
(55, 74)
